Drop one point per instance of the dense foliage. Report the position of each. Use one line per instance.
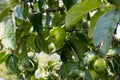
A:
(82, 32)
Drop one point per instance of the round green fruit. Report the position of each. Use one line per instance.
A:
(100, 65)
(57, 35)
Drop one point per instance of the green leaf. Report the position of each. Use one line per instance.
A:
(111, 65)
(2, 56)
(95, 18)
(75, 73)
(19, 19)
(10, 34)
(66, 68)
(31, 44)
(24, 59)
(4, 13)
(93, 22)
(25, 10)
(11, 64)
(66, 54)
(36, 20)
(116, 59)
(22, 47)
(3, 4)
(41, 43)
(40, 4)
(23, 30)
(13, 2)
(90, 56)
(23, 52)
(18, 12)
(116, 65)
(88, 75)
(114, 51)
(58, 20)
(104, 30)
(79, 45)
(78, 10)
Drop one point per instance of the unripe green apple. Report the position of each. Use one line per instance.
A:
(57, 35)
(100, 65)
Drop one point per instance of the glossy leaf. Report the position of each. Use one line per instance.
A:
(95, 18)
(24, 59)
(79, 10)
(90, 57)
(58, 20)
(23, 30)
(22, 47)
(66, 54)
(40, 4)
(19, 19)
(25, 11)
(11, 64)
(113, 51)
(104, 30)
(18, 12)
(10, 34)
(79, 45)
(31, 44)
(36, 20)
(66, 68)
(75, 74)
(41, 43)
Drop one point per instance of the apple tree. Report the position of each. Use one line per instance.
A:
(82, 32)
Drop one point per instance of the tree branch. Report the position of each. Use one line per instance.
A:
(55, 10)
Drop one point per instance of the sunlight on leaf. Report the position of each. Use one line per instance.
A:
(80, 9)
(104, 30)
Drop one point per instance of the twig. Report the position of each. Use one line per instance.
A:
(55, 10)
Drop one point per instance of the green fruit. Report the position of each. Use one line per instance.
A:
(100, 65)
(57, 35)
(93, 74)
